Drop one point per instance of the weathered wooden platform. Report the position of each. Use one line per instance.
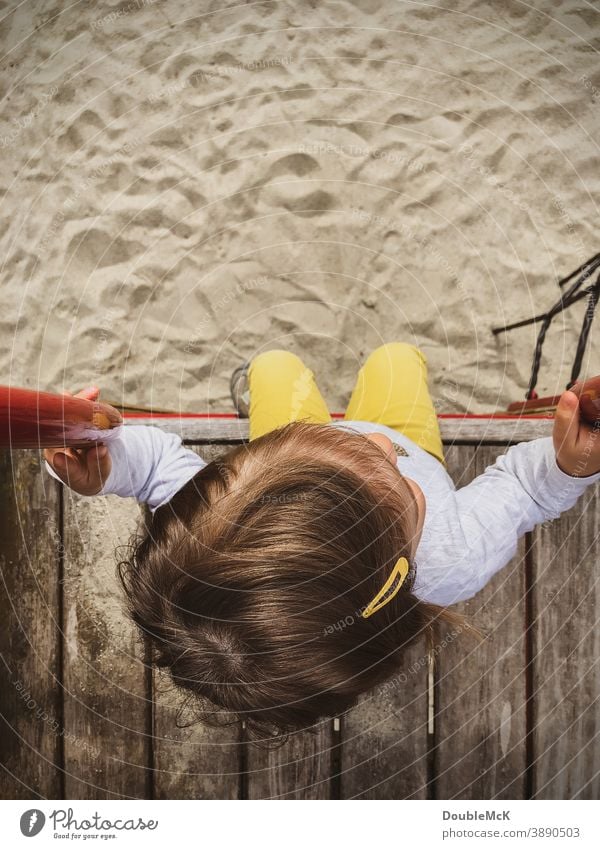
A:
(82, 717)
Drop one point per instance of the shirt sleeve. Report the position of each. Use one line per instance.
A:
(148, 464)
(523, 488)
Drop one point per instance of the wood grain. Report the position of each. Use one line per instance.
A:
(481, 692)
(301, 768)
(488, 430)
(30, 687)
(195, 762)
(566, 634)
(106, 685)
(385, 740)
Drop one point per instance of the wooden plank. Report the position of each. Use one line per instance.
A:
(485, 431)
(566, 650)
(197, 762)
(385, 742)
(223, 432)
(106, 685)
(30, 704)
(481, 692)
(301, 768)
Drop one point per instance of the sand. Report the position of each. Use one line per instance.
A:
(186, 185)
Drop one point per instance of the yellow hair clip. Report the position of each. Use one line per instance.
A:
(389, 589)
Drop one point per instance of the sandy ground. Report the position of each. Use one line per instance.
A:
(186, 185)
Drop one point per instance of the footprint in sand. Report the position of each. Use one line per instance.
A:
(297, 196)
(96, 249)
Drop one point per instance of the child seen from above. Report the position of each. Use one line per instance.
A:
(249, 564)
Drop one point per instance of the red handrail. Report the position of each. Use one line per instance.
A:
(32, 419)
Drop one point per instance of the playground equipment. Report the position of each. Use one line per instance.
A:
(588, 392)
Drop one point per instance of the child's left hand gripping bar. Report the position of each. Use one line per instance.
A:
(86, 469)
(73, 430)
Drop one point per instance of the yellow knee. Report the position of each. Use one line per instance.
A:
(396, 352)
(278, 358)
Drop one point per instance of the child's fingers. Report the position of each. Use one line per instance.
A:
(83, 469)
(96, 458)
(567, 421)
(68, 467)
(59, 463)
(98, 464)
(50, 453)
(92, 393)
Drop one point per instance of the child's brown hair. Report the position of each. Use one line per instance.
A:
(251, 581)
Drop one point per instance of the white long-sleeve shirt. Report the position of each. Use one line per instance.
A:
(468, 533)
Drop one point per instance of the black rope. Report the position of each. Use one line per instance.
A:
(564, 302)
(585, 330)
(537, 354)
(567, 299)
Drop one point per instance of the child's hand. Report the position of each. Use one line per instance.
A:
(576, 443)
(83, 469)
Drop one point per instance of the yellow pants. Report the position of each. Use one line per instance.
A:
(391, 389)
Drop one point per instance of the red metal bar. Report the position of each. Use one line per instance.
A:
(151, 415)
(31, 419)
